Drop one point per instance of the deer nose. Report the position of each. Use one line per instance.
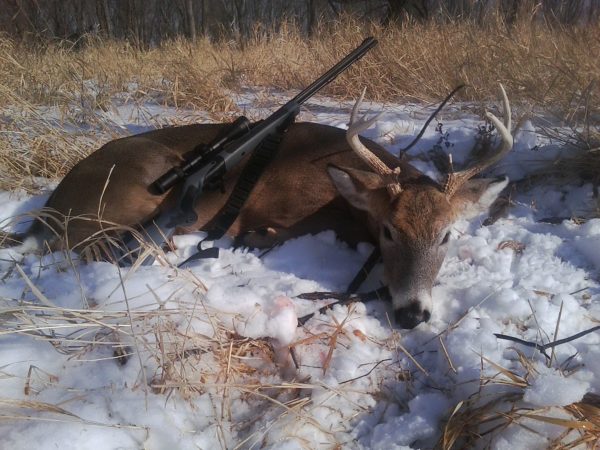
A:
(411, 315)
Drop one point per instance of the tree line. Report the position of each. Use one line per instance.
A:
(148, 22)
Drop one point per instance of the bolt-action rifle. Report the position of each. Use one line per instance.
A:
(204, 170)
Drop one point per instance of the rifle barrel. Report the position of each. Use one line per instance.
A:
(332, 73)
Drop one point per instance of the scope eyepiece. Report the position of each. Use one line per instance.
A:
(168, 180)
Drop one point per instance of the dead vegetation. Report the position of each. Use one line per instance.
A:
(551, 66)
(56, 99)
(186, 349)
(184, 363)
(491, 410)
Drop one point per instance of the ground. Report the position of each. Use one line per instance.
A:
(203, 356)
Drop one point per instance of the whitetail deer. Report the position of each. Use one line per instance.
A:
(318, 181)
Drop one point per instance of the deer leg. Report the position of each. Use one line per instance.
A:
(263, 237)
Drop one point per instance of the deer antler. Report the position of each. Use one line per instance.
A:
(354, 128)
(456, 179)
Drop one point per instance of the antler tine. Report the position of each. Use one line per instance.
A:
(457, 179)
(361, 124)
(506, 113)
(356, 106)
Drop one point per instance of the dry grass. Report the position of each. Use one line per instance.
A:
(184, 361)
(179, 362)
(582, 161)
(489, 411)
(549, 67)
(229, 367)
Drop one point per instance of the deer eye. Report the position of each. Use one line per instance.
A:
(446, 238)
(387, 233)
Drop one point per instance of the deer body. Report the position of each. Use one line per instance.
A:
(322, 178)
(293, 197)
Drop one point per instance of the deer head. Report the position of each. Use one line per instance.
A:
(412, 215)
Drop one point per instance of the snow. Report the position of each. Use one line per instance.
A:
(424, 411)
(209, 365)
(549, 388)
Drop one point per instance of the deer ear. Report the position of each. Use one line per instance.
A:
(476, 196)
(355, 185)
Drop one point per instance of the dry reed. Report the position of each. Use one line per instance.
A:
(476, 420)
(551, 67)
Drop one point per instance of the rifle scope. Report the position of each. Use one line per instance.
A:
(236, 129)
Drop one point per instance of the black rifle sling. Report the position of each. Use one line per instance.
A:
(364, 271)
(252, 171)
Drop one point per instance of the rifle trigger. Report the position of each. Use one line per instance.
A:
(207, 253)
(214, 185)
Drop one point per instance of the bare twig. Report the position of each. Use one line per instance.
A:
(342, 299)
(543, 347)
(428, 121)
(556, 332)
(368, 373)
